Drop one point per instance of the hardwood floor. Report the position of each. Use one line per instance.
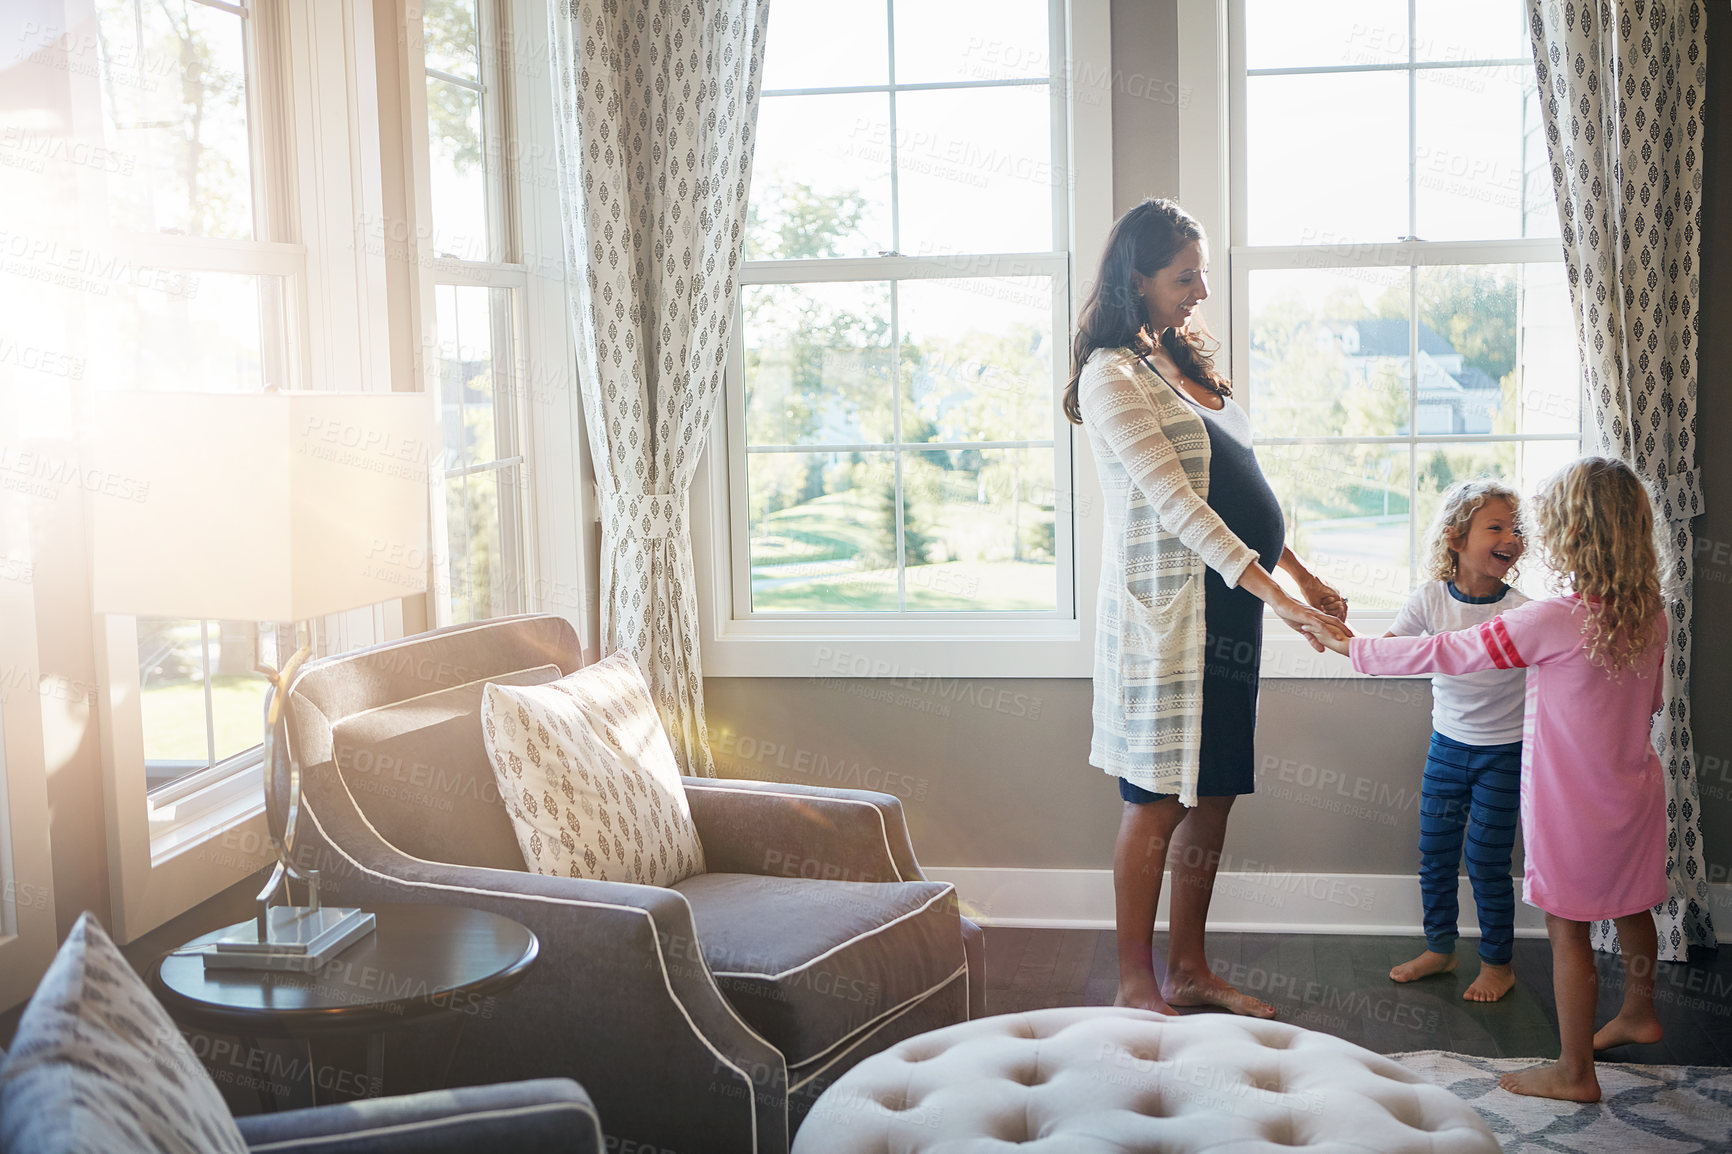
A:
(1340, 985)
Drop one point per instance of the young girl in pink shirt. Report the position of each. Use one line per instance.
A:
(1593, 802)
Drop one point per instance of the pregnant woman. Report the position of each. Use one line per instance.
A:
(1193, 533)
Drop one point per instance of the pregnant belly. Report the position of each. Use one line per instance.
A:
(1250, 509)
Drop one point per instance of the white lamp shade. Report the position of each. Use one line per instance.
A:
(258, 507)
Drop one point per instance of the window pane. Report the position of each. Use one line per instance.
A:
(174, 656)
(1329, 352)
(237, 689)
(1327, 158)
(1282, 34)
(457, 548)
(824, 44)
(978, 529)
(970, 40)
(1551, 389)
(818, 363)
(977, 359)
(1346, 508)
(1474, 323)
(974, 170)
(171, 697)
(449, 26)
(174, 104)
(1438, 466)
(1474, 168)
(478, 571)
(487, 576)
(466, 319)
(459, 179)
(201, 331)
(820, 177)
(1520, 465)
(1471, 30)
(823, 532)
(1534, 462)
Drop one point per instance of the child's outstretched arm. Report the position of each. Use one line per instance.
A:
(1485, 646)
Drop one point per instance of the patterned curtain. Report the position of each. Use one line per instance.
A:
(657, 103)
(1621, 84)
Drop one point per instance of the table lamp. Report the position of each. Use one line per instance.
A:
(275, 506)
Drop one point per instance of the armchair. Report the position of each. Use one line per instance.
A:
(704, 1016)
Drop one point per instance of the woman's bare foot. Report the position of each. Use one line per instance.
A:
(1426, 964)
(1493, 982)
(1207, 989)
(1142, 992)
(1626, 1029)
(1551, 1081)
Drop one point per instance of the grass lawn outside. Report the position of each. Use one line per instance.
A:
(826, 555)
(954, 586)
(174, 718)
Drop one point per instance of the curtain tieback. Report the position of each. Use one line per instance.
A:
(645, 516)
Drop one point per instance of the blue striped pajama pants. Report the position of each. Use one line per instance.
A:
(1471, 794)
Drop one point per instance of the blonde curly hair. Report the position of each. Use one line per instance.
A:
(1594, 520)
(1453, 519)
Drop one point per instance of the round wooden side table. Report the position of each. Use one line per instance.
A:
(420, 962)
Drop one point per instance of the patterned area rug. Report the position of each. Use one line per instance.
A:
(1645, 1109)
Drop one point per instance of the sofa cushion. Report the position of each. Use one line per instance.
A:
(418, 770)
(98, 1065)
(808, 963)
(589, 778)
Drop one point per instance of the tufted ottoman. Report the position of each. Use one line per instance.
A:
(1078, 1081)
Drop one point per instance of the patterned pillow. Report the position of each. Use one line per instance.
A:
(589, 778)
(98, 1065)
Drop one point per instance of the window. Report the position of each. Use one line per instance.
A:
(199, 692)
(208, 304)
(1400, 315)
(896, 448)
(478, 283)
(217, 252)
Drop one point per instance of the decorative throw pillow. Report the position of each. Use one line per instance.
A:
(589, 778)
(98, 1065)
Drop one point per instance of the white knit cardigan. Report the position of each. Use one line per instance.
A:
(1152, 452)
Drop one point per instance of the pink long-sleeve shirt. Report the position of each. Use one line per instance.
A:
(1593, 801)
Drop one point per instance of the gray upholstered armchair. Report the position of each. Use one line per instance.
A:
(705, 1016)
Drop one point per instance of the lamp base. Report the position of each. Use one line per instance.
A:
(298, 940)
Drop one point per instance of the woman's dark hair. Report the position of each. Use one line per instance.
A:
(1144, 240)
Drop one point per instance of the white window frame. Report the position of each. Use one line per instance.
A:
(27, 919)
(545, 511)
(1057, 644)
(1212, 186)
(190, 840)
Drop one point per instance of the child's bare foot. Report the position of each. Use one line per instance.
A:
(1493, 982)
(1551, 1081)
(1142, 992)
(1208, 989)
(1626, 1029)
(1426, 964)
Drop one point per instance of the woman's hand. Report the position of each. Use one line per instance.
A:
(1319, 594)
(1319, 628)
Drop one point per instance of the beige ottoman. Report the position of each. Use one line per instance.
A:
(1099, 1079)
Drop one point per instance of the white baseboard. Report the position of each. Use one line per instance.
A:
(1243, 902)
